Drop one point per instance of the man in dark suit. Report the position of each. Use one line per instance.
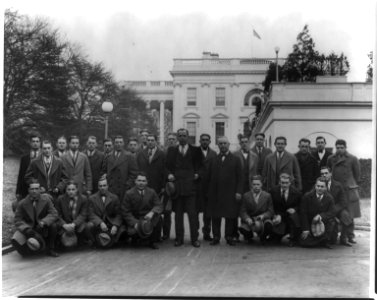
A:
(61, 147)
(35, 219)
(286, 202)
(22, 186)
(49, 171)
(183, 163)
(341, 212)
(121, 169)
(104, 214)
(317, 206)
(96, 159)
(225, 192)
(207, 155)
(261, 151)
(308, 166)
(278, 162)
(72, 210)
(256, 212)
(321, 154)
(142, 202)
(346, 170)
(77, 166)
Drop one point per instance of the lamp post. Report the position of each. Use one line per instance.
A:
(107, 108)
(277, 49)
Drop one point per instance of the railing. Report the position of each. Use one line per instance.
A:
(225, 61)
(147, 83)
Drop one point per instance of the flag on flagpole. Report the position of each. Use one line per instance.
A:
(256, 34)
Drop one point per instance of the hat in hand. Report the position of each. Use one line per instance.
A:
(318, 228)
(69, 239)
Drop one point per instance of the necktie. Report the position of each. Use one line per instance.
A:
(182, 150)
(103, 199)
(222, 158)
(72, 206)
(283, 195)
(150, 152)
(48, 164)
(74, 158)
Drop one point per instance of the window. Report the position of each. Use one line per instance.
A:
(220, 96)
(219, 130)
(191, 128)
(191, 96)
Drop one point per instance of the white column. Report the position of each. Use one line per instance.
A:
(162, 123)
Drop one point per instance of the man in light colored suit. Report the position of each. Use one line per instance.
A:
(121, 169)
(77, 166)
(261, 151)
(256, 212)
(278, 162)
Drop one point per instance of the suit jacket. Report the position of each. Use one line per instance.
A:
(321, 162)
(22, 186)
(155, 170)
(55, 178)
(65, 214)
(252, 167)
(121, 173)
(288, 164)
(310, 207)
(309, 171)
(261, 158)
(281, 205)
(337, 191)
(80, 171)
(135, 206)
(225, 180)
(249, 208)
(46, 212)
(108, 212)
(57, 154)
(183, 168)
(96, 163)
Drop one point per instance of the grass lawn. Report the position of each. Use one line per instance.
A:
(11, 165)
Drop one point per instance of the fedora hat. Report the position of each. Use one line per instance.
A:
(258, 227)
(19, 238)
(170, 189)
(144, 228)
(104, 240)
(318, 229)
(69, 239)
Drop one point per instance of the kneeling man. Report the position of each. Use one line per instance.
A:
(317, 208)
(35, 222)
(256, 212)
(142, 207)
(72, 209)
(105, 220)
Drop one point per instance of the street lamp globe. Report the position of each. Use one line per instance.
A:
(107, 107)
(277, 49)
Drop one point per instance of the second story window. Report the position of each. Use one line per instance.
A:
(220, 96)
(191, 96)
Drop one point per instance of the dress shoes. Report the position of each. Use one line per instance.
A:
(153, 246)
(207, 238)
(214, 242)
(165, 237)
(195, 244)
(345, 243)
(52, 253)
(231, 242)
(291, 243)
(352, 240)
(178, 243)
(327, 246)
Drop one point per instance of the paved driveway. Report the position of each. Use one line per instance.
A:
(243, 270)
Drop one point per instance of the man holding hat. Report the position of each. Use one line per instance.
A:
(72, 210)
(141, 210)
(317, 212)
(105, 220)
(256, 212)
(35, 222)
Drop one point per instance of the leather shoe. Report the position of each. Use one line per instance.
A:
(195, 244)
(214, 242)
(165, 237)
(352, 240)
(153, 246)
(345, 243)
(231, 242)
(327, 245)
(207, 238)
(178, 243)
(52, 253)
(291, 243)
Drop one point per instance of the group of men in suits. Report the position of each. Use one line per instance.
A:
(270, 192)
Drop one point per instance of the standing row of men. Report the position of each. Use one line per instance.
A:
(216, 184)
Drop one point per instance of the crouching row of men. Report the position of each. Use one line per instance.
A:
(44, 225)
(310, 221)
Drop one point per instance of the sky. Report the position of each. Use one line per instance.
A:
(137, 40)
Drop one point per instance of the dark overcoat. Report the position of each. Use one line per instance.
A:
(65, 213)
(309, 171)
(155, 170)
(251, 164)
(346, 170)
(96, 163)
(340, 201)
(46, 212)
(108, 212)
(225, 180)
(261, 157)
(121, 173)
(22, 186)
(55, 178)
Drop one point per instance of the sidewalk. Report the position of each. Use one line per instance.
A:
(240, 271)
